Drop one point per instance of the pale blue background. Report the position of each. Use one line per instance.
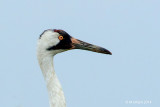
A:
(130, 29)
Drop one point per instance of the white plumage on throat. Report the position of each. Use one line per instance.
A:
(45, 58)
(50, 43)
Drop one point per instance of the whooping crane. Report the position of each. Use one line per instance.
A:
(50, 43)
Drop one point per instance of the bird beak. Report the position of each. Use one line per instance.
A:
(78, 44)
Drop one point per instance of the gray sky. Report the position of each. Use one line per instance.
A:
(130, 29)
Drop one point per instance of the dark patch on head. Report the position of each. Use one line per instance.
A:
(63, 44)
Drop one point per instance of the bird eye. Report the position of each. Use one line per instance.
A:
(60, 37)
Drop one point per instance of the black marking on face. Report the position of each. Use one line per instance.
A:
(63, 44)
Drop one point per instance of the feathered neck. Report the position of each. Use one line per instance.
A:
(56, 95)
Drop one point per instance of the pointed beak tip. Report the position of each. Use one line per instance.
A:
(78, 44)
(109, 53)
(105, 51)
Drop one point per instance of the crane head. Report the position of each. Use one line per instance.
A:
(56, 41)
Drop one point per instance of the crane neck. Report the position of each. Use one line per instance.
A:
(55, 92)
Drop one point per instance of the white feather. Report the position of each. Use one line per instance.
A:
(45, 58)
